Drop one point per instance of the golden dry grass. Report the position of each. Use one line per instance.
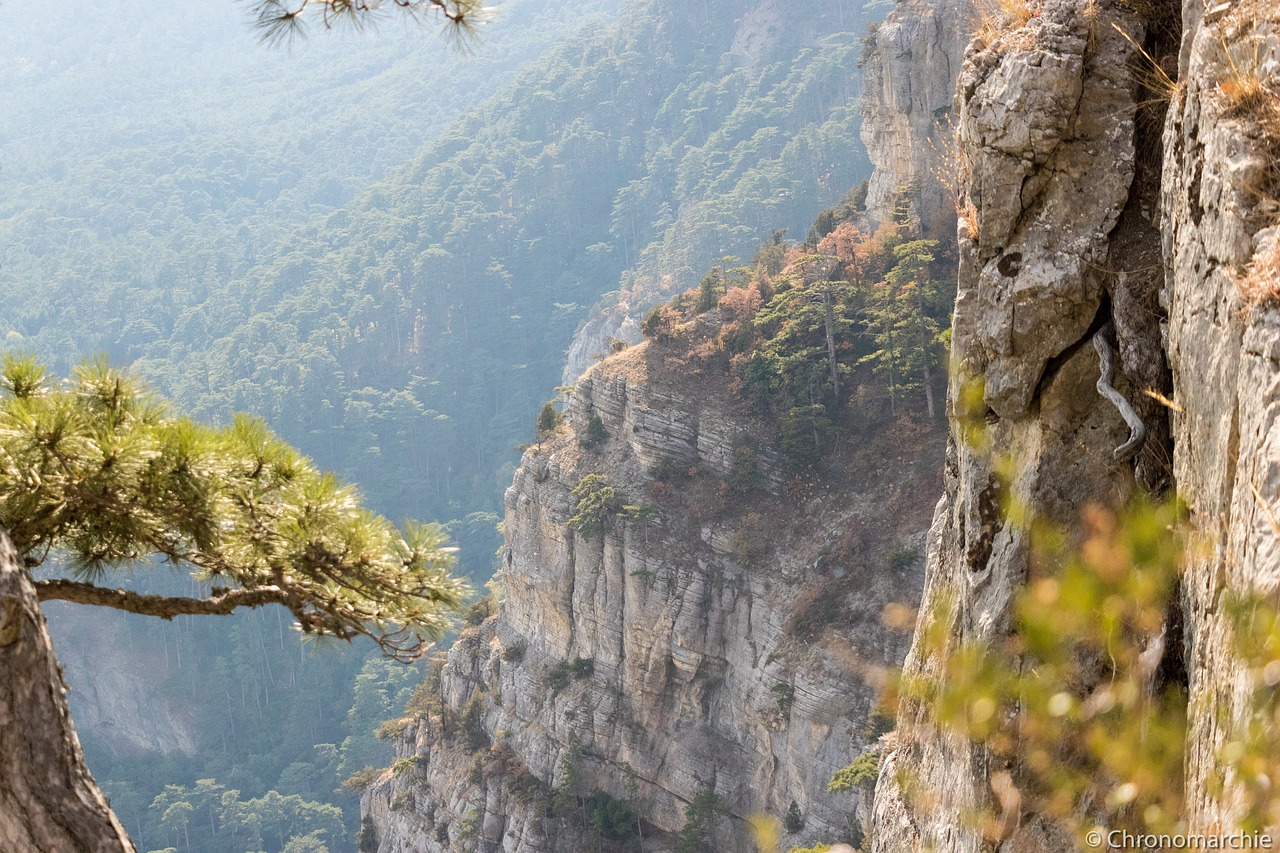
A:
(999, 17)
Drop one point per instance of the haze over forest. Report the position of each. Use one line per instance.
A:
(382, 245)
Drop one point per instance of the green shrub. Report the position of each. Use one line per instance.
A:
(557, 677)
(902, 560)
(786, 695)
(548, 419)
(367, 841)
(794, 821)
(670, 470)
(361, 779)
(610, 817)
(744, 467)
(660, 323)
(597, 505)
(404, 765)
(595, 432)
(699, 820)
(480, 611)
(392, 728)
(473, 723)
(861, 772)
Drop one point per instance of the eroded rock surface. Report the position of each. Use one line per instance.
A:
(912, 63)
(1070, 200)
(1225, 357)
(1046, 121)
(734, 643)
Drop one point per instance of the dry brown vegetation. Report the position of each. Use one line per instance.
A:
(1249, 94)
(1260, 284)
(995, 18)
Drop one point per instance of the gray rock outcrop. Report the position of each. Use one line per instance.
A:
(1075, 218)
(733, 644)
(1219, 211)
(912, 62)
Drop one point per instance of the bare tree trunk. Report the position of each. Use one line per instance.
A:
(48, 800)
(829, 321)
(928, 386)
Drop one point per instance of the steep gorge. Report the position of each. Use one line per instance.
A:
(726, 641)
(1082, 209)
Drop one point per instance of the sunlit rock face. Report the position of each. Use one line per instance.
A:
(734, 639)
(912, 61)
(1225, 357)
(1077, 209)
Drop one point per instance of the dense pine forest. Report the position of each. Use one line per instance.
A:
(382, 244)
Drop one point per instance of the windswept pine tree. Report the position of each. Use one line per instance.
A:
(98, 475)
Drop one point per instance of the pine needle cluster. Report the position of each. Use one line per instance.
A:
(99, 471)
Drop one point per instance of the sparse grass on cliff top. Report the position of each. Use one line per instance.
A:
(996, 18)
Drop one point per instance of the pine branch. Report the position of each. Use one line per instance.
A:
(163, 606)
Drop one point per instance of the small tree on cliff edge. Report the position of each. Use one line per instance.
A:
(98, 472)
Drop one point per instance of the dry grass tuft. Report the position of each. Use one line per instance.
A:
(1151, 73)
(999, 17)
(1248, 93)
(950, 164)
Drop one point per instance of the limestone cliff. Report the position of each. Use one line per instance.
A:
(911, 64)
(727, 640)
(1078, 213)
(1219, 207)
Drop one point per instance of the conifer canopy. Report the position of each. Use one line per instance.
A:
(98, 471)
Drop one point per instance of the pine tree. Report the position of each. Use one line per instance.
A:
(279, 21)
(100, 472)
(900, 322)
(548, 419)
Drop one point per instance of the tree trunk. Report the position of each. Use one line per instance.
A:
(928, 386)
(829, 321)
(48, 800)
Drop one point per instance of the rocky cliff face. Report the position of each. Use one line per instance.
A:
(1219, 212)
(1047, 124)
(1078, 213)
(730, 642)
(912, 61)
(111, 678)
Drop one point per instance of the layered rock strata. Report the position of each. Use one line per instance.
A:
(730, 642)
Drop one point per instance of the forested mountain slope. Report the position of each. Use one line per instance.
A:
(180, 198)
(406, 338)
(699, 559)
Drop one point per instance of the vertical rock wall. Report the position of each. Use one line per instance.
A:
(1072, 201)
(912, 62)
(1219, 208)
(1046, 120)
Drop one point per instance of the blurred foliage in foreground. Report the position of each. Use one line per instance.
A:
(1086, 699)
